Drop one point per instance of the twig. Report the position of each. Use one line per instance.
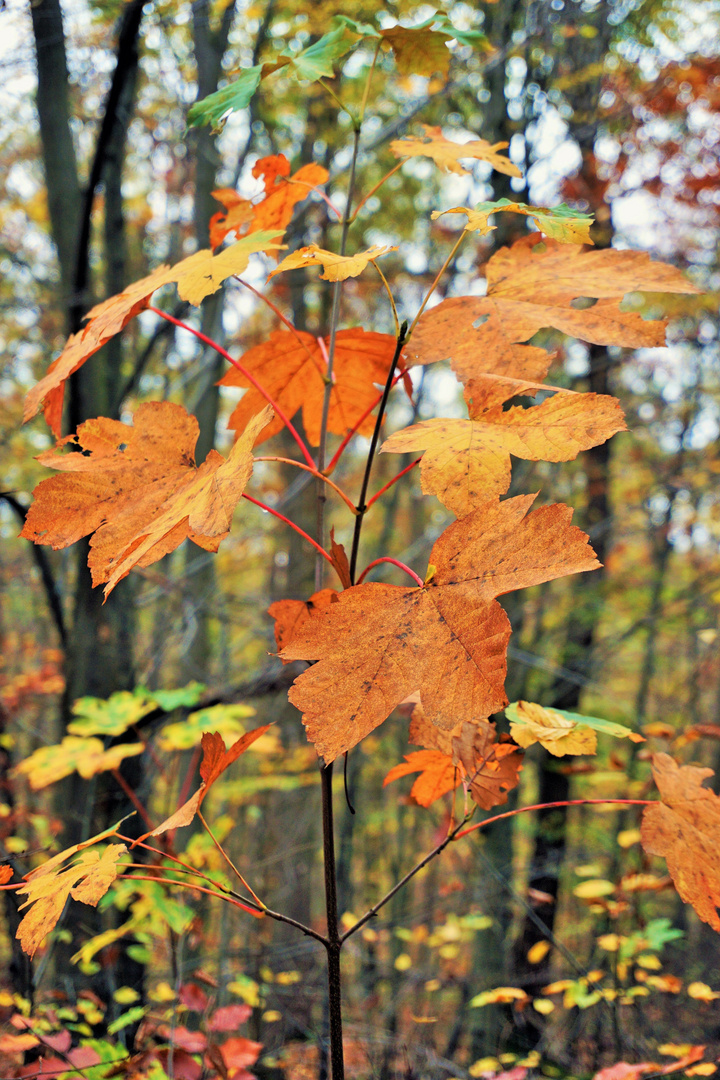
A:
(395, 562)
(301, 532)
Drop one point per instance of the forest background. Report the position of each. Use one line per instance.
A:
(610, 107)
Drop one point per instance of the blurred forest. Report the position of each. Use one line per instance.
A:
(612, 106)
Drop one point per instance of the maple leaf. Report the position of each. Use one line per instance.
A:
(86, 756)
(684, 828)
(47, 889)
(559, 223)
(196, 277)
(216, 759)
(419, 50)
(439, 774)
(379, 643)
(273, 213)
(560, 731)
(531, 723)
(290, 367)
(531, 286)
(491, 768)
(109, 716)
(447, 154)
(335, 267)
(500, 995)
(290, 615)
(467, 460)
(138, 491)
(224, 720)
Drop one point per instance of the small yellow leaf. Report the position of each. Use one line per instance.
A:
(543, 1006)
(538, 952)
(559, 735)
(649, 962)
(335, 267)
(593, 889)
(700, 991)
(627, 837)
(403, 962)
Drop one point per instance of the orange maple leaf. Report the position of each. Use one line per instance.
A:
(216, 759)
(335, 267)
(490, 768)
(290, 615)
(274, 212)
(48, 888)
(532, 285)
(447, 154)
(467, 460)
(684, 828)
(290, 366)
(379, 643)
(439, 774)
(196, 277)
(138, 491)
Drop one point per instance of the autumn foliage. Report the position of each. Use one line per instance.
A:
(440, 640)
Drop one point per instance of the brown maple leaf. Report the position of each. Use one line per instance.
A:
(335, 267)
(447, 154)
(531, 286)
(419, 50)
(684, 828)
(138, 491)
(274, 212)
(489, 768)
(216, 759)
(291, 365)
(196, 277)
(379, 643)
(290, 615)
(424, 733)
(48, 888)
(464, 461)
(492, 768)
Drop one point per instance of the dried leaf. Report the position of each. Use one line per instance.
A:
(273, 213)
(491, 768)
(216, 759)
(379, 643)
(531, 723)
(87, 879)
(501, 995)
(559, 223)
(552, 728)
(684, 828)
(197, 277)
(335, 267)
(291, 368)
(138, 491)
(531, 286)
(340, 561)
(424, 733)
(290, 615)
(419, 50)
(447, 154)
(464, 461)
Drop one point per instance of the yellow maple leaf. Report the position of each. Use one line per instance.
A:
(335, 267)
(47, 889)
(558, 734)
(87, 756)
(446, 154)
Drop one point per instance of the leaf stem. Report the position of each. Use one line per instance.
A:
(396, 562)
(320, 476)
(133, 798)
(552, 806)
(243, 371)
(390, 298)
(301, 532)
(366, 91)
(394, 480)
(377, 187)
(361, 505)
(436, 279)
(198, 888)
(229, 861)
(330, 359)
